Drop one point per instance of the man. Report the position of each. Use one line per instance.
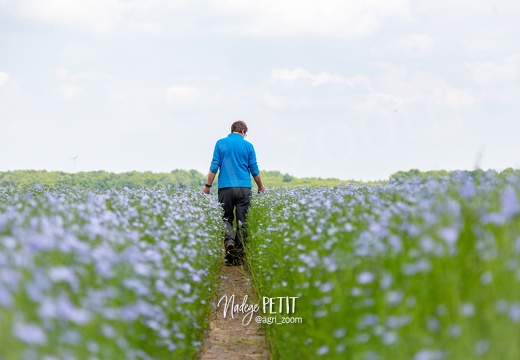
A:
(236, 159)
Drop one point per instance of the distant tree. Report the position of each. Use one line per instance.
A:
(287, 178)
(103, 180)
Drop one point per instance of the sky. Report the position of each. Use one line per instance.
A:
(355, 90)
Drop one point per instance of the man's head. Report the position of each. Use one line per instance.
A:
(239, 127)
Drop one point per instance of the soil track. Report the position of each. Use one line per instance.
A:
(228, 338)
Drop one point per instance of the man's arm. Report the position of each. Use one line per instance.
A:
(209, 181)
(255, 172)
(258, 180)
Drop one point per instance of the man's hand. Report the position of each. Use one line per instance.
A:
(259, 183)
(211, 177)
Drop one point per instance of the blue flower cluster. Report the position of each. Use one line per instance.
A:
(412, 269)
(106, 275)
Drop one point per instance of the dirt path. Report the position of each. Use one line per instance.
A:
(228, 338)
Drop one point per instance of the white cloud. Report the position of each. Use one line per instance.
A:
(477, 28)
(4, 78)
(466, 7)
(415, 44)
(78, 53)
(376, 101)
(452, 97)
(290, 75)
(268, 18)
(62, 73)
(98, 16)
(314, 81)
(508, 96)
(208, 93)
(201, 78)
(138, 110)
(298, 89)
(350, 19)
(69, 91)
(394, 89)
(181, 94)
(489, 72)
(421, 87)
(294, 101)
(272, 101)
(91, 75)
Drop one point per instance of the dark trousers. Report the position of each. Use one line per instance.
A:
(235, 200)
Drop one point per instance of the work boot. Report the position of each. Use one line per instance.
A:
(231, 258)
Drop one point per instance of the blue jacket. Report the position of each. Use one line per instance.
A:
(236, 159)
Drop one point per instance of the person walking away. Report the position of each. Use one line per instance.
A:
(235, 157)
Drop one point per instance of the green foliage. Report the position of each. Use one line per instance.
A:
(125, 274)
(102, 180)
(441, 174)
(405, 270)
(275, 179)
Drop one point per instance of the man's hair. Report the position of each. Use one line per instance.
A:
(239, 126)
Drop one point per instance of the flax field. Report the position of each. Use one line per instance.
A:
(420, 268)
(413, 269)
(106, 275)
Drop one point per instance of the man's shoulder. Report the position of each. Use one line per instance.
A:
(236, 140)
(220, 141)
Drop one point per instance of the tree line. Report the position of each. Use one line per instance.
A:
(104, 180)
(437, 174)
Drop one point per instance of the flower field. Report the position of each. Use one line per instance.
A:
(408, 270)
(106, 275)
(413, 269)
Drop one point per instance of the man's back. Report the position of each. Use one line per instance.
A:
(236, 159)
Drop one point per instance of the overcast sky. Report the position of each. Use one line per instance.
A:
(354, 89)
